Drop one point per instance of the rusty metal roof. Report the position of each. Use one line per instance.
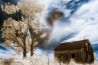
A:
(72, 45)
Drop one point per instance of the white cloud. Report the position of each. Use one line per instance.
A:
(84, 22)
(45, 2)
(84, 25)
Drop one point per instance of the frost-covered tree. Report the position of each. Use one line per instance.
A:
(23, 35)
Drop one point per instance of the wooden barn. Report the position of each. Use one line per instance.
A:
(80, 51)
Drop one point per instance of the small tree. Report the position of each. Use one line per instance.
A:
(24, 35)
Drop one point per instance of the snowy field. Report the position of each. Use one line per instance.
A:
(36, 60)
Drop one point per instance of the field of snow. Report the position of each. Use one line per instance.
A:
(35, 60)
(39, 58)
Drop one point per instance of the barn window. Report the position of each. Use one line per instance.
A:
(73, 56)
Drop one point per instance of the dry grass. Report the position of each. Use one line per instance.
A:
(6, 61)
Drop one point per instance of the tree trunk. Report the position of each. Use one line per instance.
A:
(24, 53)
(32, 49)
(24, 50)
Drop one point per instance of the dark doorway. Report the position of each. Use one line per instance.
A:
(73, 56)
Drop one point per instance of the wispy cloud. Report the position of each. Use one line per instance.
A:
(79, 22)
(81, 25)
(86, 22)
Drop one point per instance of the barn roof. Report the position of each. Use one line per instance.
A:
(71, 45)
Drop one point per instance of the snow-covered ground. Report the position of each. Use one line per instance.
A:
(39, 58)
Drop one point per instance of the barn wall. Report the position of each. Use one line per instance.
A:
(65, 56)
